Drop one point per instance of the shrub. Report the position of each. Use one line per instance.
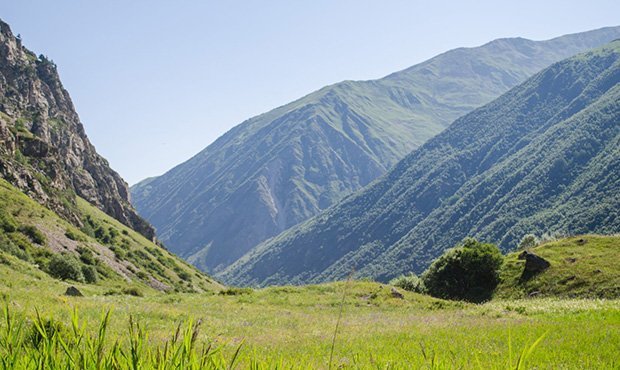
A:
(65, 266)
(236, 291)
(87, 256)
(90, 274)
(185, 276)
(74, 235)
(7, 223)
(16, 245)
(469, 272)
(528, 241)
(409, 282)
(33, 233)
(133, 291)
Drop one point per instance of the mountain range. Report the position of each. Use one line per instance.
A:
(280, 168)
(542, 158)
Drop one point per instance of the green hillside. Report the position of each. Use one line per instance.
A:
(581, 267)
(542, 158)
(282, 167)
(123, 261)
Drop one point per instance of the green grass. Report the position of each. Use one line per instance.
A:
(280, 327)
(293, 327)
(583, 266)
(124, 259)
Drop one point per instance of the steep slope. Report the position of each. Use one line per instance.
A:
(43, 147)
(280, 168)
(119, 258)
(544, 157)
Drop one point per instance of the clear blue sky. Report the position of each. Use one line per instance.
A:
(154, 81)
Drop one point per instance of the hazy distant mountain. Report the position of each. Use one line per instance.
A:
(544, 157)
(280, 168)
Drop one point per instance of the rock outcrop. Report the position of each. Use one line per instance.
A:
(44, 150)
(534, 264)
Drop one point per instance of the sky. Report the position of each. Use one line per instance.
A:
(155, 81)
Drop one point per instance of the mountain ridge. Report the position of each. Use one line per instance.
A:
(424, 204)
(281, 167)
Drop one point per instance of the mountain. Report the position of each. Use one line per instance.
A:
(542, 158)
(44, 149)
(282, 167)
(63, 210)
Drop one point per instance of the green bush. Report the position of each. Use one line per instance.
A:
(468, 272)
(236, 291)
(18, 250)
(33, 233)
(87, 256)
(133, 291)
(183, 275)
(90, 274)
(66, 267)
(74, 235)
(7, 223)
(409, 282)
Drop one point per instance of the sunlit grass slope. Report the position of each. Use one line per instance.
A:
(585, 266)
(30, 236)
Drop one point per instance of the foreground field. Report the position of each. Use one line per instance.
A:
(293, 327)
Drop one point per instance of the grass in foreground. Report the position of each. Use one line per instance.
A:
(293, 327)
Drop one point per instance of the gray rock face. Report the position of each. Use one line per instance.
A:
(44, 150)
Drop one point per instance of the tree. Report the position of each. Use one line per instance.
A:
(467, 272)
(528, 241)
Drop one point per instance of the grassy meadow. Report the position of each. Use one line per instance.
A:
(198, 323)
(293, 327)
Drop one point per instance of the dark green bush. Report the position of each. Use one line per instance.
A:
(87, 256)
(90, 274)
(118, 252)
(183, 275)
(74, 235)
(16, 245)
(66, 267)
(236, 291)
(33, 233)
(133, 291)
(468, 272)
(7, 223)
(409, 282)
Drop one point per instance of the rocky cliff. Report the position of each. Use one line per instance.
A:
(44, 150)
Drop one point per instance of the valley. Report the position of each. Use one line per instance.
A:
(460, 213)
